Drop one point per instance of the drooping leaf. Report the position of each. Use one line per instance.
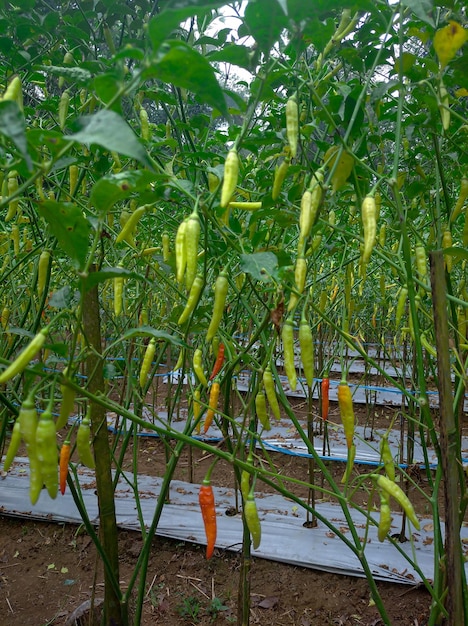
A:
(68, 224)
(179, 64)
(114, 187)
(64, 298)
(13, 126)
(265, 20)
(109, 130)
(234, 54)
(149, 331)
(422, 9)
(76, 75)
(161, 26)
(261, 265)
(94, 278)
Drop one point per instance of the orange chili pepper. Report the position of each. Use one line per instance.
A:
(65, 452)
(212, 406)
(219, 361)
(325, 397)
(208, 510)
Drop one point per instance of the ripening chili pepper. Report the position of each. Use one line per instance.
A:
(219, 361)
(67, 404)
(47, 450)
(447, 243)
(387, 458)
(245, 206)
(213, 182)
(192, 300)
(300, 273)
(310, 204)
(401, 304)
(198, 367)
(63, 109)
(280, 175)
(231, 174)
(165, 247)
(73, 172)
(130, 224)
(42, 271)
(5, 316)
(197, 409)
(212, 406)
(252, 519)
(245, 484)
(349, 464)
(345, 402)
(192, 236)
(208, 511)
(12, 188)
(325, 391)
(270, 390)
(369, 223)
(24, 357)
(147, 361)
(83, 442)
(28, 426)
(65, 452)
(287, 336)
(125, 216)
(261, 410)
(343, 168)
(463, 195)
(421, 262)
(118, 295)
(180, 251)
(15, 237)
(13, 446)
(14, 91)
(292, 124)
(144, 124)
(306, 344)
(385, 519)
(396, 492)
(220, 294)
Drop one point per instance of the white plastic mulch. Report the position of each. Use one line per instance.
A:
(284, 537)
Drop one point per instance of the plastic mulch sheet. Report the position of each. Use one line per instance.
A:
(284, 538)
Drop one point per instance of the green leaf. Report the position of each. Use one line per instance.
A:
(109, 130)
(422, 9)
(261, 265)
(179, 64)
(13, 126)
(76, 75)
(94, 278)
(236, 55)
(70, 227)
(163, 25)
(64, 298)
(107, 86)
(114, 187)
(454, 251)
(149, 331)
(265, 20)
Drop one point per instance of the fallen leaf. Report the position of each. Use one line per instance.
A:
(268, 603)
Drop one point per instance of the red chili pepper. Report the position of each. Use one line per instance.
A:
(325, 397)
(64, 458)
(219, 361)
(208, 510)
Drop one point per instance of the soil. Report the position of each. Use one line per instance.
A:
(47, 571)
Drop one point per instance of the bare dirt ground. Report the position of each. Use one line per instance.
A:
(49, 570)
